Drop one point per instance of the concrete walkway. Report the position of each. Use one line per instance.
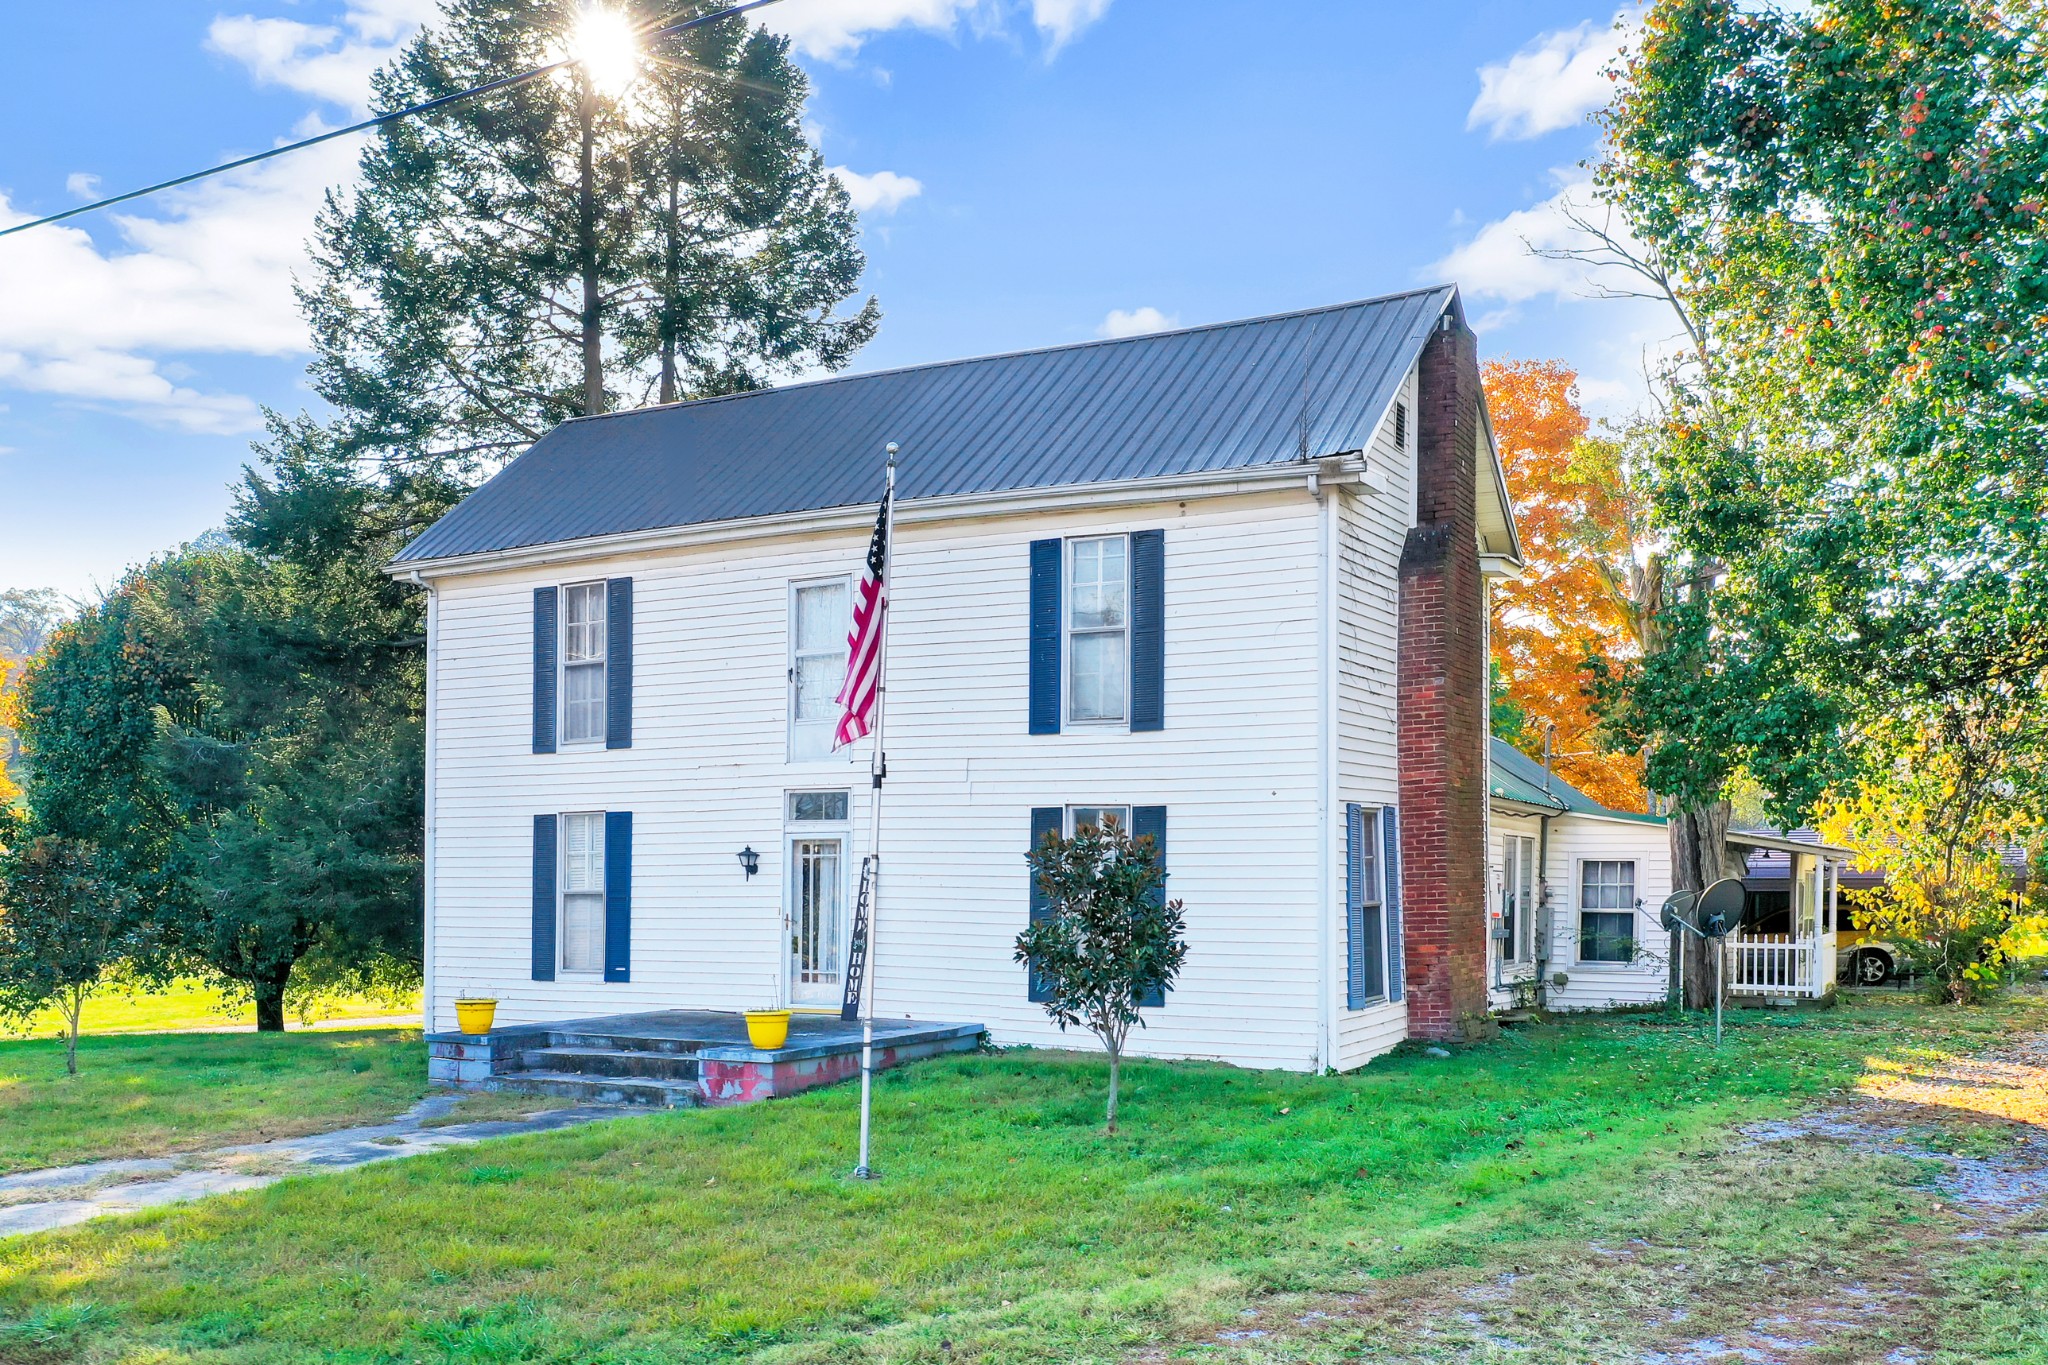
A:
(36, 1201)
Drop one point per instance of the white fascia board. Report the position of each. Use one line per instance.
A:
(912, 511)
(1776, 844)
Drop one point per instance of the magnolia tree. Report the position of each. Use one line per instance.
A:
(1945, 813)
(63, 925)
(1109, 937)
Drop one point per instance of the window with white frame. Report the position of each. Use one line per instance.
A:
(1098, 628)
(1607, 910)
(583, 663)
(1096, 817)
(582, 878)
(1366, 920)
(819, 615)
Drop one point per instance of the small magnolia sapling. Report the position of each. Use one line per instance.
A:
(1109, 937)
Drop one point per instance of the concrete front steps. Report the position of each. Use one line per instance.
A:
(676, 1058)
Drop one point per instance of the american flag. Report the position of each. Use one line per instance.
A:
(864, 642)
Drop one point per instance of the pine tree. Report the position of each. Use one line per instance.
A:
(556, 250)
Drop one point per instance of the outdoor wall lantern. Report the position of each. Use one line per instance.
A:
(750, 861)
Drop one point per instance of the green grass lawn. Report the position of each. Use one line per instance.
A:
(187, 1004)
(143, 1095)
(1006, 1225)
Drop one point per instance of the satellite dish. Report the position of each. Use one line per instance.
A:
(1713, 913)
(1677, 910)
(1719, 912)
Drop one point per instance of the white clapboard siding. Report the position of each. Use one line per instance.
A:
(1604, 985)
(1370, 533)
(1236, 767)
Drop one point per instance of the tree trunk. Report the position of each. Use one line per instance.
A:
(1115, 1061)
(270, 1006)
(1700, 856)
(586, 248)
(671, 389)
(74, 1006)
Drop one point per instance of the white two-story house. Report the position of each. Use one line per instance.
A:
(1228, 583)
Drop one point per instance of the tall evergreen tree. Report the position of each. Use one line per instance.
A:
(558, 250)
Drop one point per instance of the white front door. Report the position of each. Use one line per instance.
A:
(817, 920)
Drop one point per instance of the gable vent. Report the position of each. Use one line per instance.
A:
(1400, 425)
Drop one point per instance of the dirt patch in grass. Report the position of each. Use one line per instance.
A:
(1935, 1168)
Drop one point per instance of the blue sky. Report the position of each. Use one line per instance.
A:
(1034, 172)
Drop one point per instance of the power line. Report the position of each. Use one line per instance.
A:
(427, 107)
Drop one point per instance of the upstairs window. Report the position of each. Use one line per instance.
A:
(1098, 629)
(583, 663)
(820, 617)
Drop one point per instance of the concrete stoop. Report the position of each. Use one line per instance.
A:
(677, 1058)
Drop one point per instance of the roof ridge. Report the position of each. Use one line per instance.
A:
(1090, 344)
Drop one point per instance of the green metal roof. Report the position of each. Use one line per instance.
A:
(1514, 776)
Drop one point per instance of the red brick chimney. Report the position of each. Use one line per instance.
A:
(1442, 702)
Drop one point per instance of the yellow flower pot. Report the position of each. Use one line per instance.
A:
(767, 1029)
(474, 1016)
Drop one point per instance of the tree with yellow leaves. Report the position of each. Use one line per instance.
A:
(10, 791)
(1948, 809)
(1594, 581)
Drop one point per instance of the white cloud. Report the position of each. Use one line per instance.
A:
(1511, 263)
(1135, 322)
(833, 30)
(328, 62)
(880, 193)
(82, 184)
(209, 270)
(1509, 260)
(1553, 82)
(213, 274)
(1061, 20)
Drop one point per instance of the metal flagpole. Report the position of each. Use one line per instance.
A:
(878, 768)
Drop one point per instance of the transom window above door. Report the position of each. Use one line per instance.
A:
(583, 663)
(817, 806)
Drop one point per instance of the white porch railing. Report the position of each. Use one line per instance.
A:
(1773, 964)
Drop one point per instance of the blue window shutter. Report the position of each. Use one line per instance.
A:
(546, 631)
(1390, 832)
(618, 663)
(1044, 820)
(1148, 630)
(543, 898)
(1357, 987)
(618, 895)
(1149, 822)
(1045, 636)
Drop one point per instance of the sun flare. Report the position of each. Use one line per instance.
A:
(607, 47)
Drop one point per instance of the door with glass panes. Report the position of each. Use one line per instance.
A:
(819, 922)
(1516, 943)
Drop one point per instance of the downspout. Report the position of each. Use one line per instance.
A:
(427, 815)
(1326, 773)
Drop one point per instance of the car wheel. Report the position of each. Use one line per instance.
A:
(1872, 969)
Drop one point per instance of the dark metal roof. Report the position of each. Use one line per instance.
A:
(1200, 400)
(1517, 777)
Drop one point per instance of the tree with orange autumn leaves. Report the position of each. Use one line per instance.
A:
(1594, 577)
